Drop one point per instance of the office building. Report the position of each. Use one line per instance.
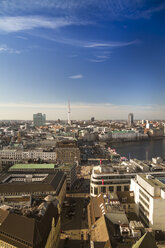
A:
(68, 169)
(39, 120)
(92, 119)
(149, 195)
(130, 120)
(16, 185)
(117, 177)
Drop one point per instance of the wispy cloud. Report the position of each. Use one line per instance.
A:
(97, 60)
(89, 44)
(19, 23)
(78, 76)
(6, 49)
(110, 44)
(106, 8)
(100, 56)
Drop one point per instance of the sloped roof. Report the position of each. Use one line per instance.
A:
(147, 240)
(3, 215)
(52, 182)
(22, 231)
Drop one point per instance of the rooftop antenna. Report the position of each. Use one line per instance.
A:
(69, 121)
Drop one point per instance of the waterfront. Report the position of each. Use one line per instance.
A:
(139, 150)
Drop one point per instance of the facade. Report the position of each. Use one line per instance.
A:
(114, 178)
(67, 152)
(70, 172)
(17, 156)
(68, 155)
(128, 135)
(39, 119)
(150, 200)
(104, 180)
(130, 119)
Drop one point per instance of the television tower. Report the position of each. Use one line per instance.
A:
(69, 121)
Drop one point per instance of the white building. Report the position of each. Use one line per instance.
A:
(128, 135)
(150, 200)
(115, 177)
(104, 180)
(31, 154)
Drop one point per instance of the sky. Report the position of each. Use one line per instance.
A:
(106, 56)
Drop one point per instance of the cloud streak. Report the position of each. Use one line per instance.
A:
(19, 23)
(89, 44)
(79, 76)
(6, 49)
(110, 44)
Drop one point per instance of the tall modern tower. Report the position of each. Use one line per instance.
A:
(39, 119)
(130, 119)
(69, 120)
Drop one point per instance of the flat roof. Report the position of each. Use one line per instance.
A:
(153, 181)
(32, 166)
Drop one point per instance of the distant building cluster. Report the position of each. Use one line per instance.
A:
(62, 182)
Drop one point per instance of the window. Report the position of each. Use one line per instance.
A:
(118, 188)
(95, 191)
(142, 201)
(103, 189)
(91, 190)
(144, 195)
(126, 188)
(111, 188)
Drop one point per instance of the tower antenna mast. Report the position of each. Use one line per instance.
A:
(69, 121)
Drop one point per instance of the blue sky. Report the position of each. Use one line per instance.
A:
(107, 57)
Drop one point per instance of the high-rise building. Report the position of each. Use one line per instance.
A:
(92, 119)
(39, 119)
(130, 119)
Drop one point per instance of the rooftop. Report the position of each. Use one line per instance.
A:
(154, 182)
(31, 166)
(28, 232)
(52, 182)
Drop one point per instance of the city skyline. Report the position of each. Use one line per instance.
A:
(106, 57)
(78, 110)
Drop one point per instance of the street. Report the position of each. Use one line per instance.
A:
(74, 223)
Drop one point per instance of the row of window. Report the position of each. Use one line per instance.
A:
(145, 212)
(110, 182)
(142, 200)
(143, 217)
(104, 189)
(114, 177)
(28, 193)
(5, 245)
(144, 195)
